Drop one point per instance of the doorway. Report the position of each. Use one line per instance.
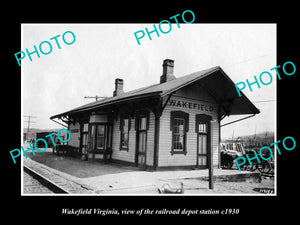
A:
(203, 140)
(141, 140)
(99, 140)
(84, 138)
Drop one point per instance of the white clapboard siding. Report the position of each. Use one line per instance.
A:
(215, 142)
(165, 142)
(130, 155)
(75, 137)
(123, 155)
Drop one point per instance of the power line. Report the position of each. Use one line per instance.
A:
(250, 59)
(263, 101)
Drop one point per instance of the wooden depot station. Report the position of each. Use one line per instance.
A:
(172, 124)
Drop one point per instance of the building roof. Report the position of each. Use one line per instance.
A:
(214, 80)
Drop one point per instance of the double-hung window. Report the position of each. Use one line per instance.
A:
(179, 134)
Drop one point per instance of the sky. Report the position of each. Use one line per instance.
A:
(58, 82)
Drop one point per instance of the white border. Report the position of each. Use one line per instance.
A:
(178, 195)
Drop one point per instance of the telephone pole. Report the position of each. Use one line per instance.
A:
(28, 128)
(96, 97)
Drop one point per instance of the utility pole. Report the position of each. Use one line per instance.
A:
(28, 128)
(96, 97)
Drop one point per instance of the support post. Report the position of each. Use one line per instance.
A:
(156, 140)
(211, 171)
(210, 161)
(156, 108)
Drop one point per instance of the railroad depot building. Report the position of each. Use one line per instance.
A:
(175, 123)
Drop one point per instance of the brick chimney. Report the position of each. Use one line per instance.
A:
(118, 87)
(168, 66)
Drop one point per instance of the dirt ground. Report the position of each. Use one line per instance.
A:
(221, 187)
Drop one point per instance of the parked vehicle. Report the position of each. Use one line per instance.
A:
(265, 166)
(41, 144)
(230, 150)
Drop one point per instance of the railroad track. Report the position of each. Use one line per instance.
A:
(45, 181)
(61, 183)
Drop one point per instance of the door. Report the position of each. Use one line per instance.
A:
(84, 143)
(202, 149)
(84, 138)
(92, 138)
(100, 136)
(203, 139)
(141, 141)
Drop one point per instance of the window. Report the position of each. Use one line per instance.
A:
(203, 127)
(124, 128)
(85, 127)
(100, 137)
(179, 134)
(143, 123)
(179, 128)
(229, 146)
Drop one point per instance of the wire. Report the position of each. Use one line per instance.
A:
(263, 101)
(246, 60)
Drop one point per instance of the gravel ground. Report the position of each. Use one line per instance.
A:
(65, 181)
(32, 186)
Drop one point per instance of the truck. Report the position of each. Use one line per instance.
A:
(41, 144)
(232, 149)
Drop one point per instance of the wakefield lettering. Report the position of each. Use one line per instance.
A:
(269, 149)
(35, 144)
(164, 31)
(45, 47)
(190, 105)
(267, 77)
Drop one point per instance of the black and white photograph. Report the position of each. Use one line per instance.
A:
(157, 115)
(128, 112)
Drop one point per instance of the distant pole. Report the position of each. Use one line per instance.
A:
(96, 97)
(28, 127)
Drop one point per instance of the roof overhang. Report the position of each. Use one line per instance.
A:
(222, 89)
(106, 103)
